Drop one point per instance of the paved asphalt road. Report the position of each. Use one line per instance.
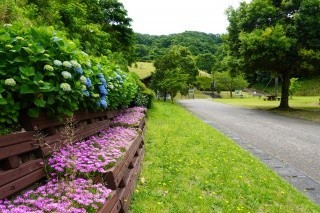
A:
(289, 146)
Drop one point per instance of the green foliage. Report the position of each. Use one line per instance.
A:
(43, 71)
(174, 72)
(149, 47)
(101, 26)
(278, 37)
(144, 96)
(204, 83)
(294, 86)
(309, 87)
(225, 81)
(205, 62)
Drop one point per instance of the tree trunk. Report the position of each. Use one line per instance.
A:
(230, 93)
(284, 103)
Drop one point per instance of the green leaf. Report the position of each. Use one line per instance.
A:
(27, 71)
(20, 59)
(2, 100)
(40, 49)
(28, 50)
(34, 112)
(25, 89)
(46, 87)
(51, 100)
(40, 102)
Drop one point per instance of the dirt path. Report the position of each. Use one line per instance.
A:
(291, 147)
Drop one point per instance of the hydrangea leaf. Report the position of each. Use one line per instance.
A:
(34, 112)
(40, 102)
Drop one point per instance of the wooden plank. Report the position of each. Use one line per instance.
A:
(114, 175)
(21, 183)
(126, 195)
(24, 169)
(142, 123)
(43, 122)
(10, 163)
(111, 202)
(17, 149)
(117, 207)
(133, 162)
(12, 139)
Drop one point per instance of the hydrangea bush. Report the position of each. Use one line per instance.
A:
(77, 196)
(43, 71)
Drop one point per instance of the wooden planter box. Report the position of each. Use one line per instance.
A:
(21, 163)
(130, 184)
(113, 204)
(114, 175)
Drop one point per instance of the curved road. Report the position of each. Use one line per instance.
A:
(289, 146)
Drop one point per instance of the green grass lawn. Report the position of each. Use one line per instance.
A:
(305, 107)
(190, 167)
(143, 69)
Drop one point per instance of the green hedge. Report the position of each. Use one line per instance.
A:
(41, 70)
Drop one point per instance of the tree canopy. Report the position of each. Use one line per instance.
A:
(174, 71)
(270, 36)
(102, 27)
(149, 47)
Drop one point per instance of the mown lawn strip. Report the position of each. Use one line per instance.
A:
(190, 167)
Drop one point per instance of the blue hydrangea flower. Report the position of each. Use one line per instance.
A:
(66, 74)
(103, 90)
(78, 70)
(86, 93)
(103, 103)
(103, 81)
(88, 84)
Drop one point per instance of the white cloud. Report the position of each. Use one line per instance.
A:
(162, 17)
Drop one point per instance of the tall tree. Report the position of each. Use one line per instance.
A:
(265, 35)
(102, 26)
(174, 71)
(205, 62)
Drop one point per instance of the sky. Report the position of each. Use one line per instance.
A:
(163, 17)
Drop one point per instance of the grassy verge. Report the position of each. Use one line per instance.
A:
(142, 69)
(190, 167)
(304, 107)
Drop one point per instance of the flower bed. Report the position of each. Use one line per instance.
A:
(91, 174)
(132, 117)
(96, 154)
(75, 196)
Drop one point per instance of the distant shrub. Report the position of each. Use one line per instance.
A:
(144, 96)
(204, 83)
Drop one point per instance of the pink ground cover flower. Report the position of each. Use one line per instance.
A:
(130, 117)
(76, 196)
(96, 154)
